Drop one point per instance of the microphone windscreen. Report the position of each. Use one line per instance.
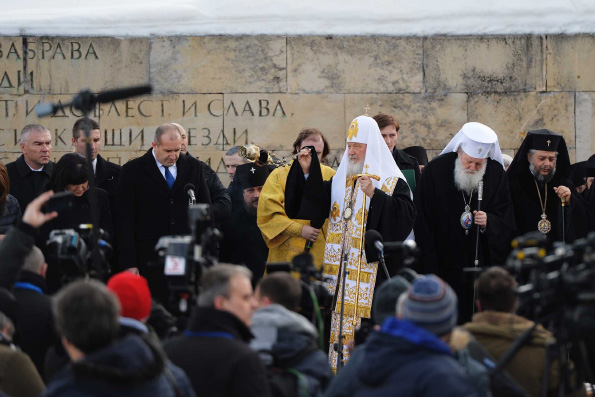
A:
(371, 237)
(189, 186)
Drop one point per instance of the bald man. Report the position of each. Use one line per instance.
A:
(151, 202)
(219, 196)
(35, 323)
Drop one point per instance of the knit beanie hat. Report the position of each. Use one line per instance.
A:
(133, 292)
(385, 298)
(429, 303)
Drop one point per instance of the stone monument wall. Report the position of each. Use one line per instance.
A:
(231, 90)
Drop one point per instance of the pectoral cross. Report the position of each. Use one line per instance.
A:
(252, 170)
(548, 142)
(366, 109)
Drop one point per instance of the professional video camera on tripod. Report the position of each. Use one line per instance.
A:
(184, 258)
(559, 293)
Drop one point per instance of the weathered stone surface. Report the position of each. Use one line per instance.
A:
(426, 120)
(128, 126)
(274, 121)
(354, 64)
(66, 65)
(570, 63)
(12, 74)
(585, 125)
(492, 64)
(512, 115)
(219, 64)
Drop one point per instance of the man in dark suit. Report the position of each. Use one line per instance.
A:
(106, 173)
(30, 173)
(151, 202)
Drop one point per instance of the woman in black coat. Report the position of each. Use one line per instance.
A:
(72, 174)
(10, 211)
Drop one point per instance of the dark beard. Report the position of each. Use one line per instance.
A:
(542, 178)
(250, 209)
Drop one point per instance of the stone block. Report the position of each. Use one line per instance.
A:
(484, 63)
(219, 64)
(585, 125)
(128, 126)
(570, 63)
(273, 121)
(428, 120)
(511, 115)
(12, 73)
(354, 64)
(66, 65)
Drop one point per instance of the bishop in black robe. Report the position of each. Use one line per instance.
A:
(528, 202)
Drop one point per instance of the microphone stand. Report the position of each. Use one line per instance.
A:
(381, 258)
(340, 341)
(476, 262)
(563, 222)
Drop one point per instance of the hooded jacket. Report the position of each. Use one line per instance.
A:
(287, 340)
(131, 367)
(496, 331)
(402, 359)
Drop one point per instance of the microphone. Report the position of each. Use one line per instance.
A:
(85, 100)
(316, 224)
(189, 189)
(374, 239)
(123, 93)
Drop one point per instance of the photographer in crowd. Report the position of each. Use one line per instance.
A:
(496, 328)
(288, 342)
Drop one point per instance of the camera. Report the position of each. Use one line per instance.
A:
(72, 251)
(184, 258)
(558, 292)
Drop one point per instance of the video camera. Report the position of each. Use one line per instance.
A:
(311, 280)
(558, 291)
(71, 250)
(184, 258)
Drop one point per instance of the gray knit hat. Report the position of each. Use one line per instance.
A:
(430, 303)
(385, 298)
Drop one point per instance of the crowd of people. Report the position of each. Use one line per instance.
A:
(253, 330)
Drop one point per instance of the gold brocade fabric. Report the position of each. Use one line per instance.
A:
(276, 227)
(346, 236)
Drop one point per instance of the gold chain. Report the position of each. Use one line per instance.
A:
(544, 204)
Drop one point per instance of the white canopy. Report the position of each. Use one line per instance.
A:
(139, 18)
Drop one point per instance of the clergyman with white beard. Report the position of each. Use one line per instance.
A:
(448, 217)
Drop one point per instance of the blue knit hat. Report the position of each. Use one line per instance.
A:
(430, 303)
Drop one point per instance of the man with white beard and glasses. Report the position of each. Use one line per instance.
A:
(448, 217)
(368, 192)
(538, 179)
